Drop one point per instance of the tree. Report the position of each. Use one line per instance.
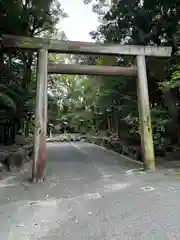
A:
(25, 18)
(152, 23)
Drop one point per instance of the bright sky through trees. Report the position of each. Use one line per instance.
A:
(81, 20)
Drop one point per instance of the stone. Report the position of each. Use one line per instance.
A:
(18, 157)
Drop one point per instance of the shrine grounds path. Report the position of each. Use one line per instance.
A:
(90, 194)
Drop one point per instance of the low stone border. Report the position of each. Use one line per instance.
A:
(66, 138)
(15, 156)
(136, 170)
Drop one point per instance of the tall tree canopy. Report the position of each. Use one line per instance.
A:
(145, 23)
(18, 84)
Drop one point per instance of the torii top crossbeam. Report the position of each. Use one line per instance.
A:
(73, 47)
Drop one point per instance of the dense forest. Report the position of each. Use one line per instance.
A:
(94, 105)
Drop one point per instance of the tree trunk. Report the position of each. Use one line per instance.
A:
(109, 123)
(27, 60)
(170, 101)
(116, 123)
(13, 131)
(6, 134)
(26, 128)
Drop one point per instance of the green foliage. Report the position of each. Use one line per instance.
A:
(153, 23)
(10, 91)
(7, 102)
(160, 126)
(17, 73)
(101, 103)
(29, 17)
(112, 101)
(174, 80)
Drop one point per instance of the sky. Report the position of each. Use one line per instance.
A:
(81, 20)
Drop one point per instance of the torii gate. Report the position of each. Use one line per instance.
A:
(43, 46)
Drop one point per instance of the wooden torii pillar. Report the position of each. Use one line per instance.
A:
(40, 130)
(43, 46)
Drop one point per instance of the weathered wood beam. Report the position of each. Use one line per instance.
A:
(60, 46)
(91, 70)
